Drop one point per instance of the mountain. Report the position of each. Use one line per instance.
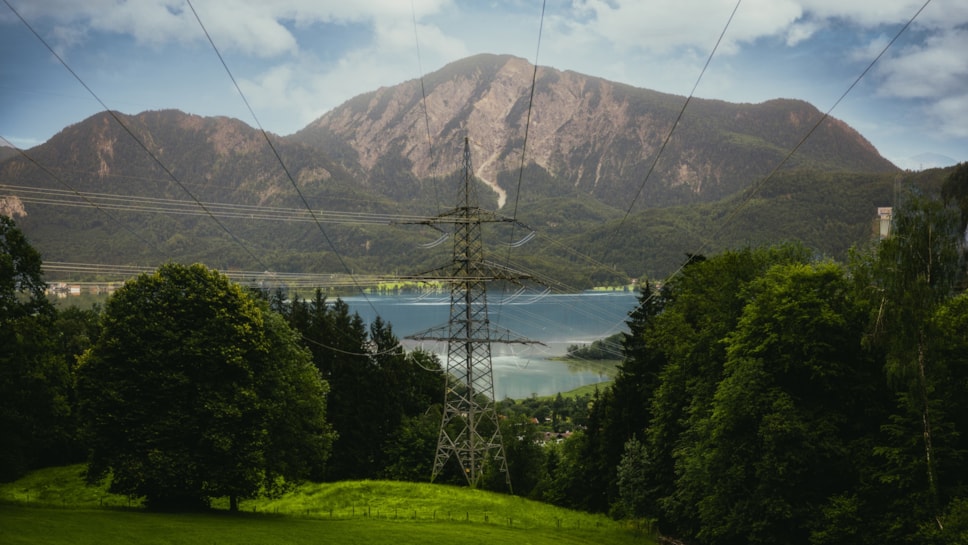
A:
(590, 137)
(120, 204)
(7, 152)
(389, 156)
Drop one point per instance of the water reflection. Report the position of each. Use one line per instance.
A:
(558, 321)
(520, 371)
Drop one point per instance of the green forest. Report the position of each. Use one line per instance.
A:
(765, 395)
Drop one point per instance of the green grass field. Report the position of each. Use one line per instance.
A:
(55, 506)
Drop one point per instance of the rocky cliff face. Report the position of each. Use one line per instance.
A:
(595, 137)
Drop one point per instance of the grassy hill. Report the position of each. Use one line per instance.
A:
(55, 506)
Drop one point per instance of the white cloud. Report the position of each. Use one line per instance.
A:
(931, 69)
(245, 27)
(862, 12)
(300, 91)
(260, 26)
(250, 26)
(801, 31)
(869, 51)
(666, 25)
(149, 22)
(296, 59)
(950, 114)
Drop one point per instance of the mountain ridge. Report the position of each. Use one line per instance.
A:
(591, 145)
(487, 98)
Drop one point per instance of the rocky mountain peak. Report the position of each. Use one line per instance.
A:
(596, 137)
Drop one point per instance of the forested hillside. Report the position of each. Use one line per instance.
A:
(768, 396)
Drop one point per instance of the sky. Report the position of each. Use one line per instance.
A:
(297, 59)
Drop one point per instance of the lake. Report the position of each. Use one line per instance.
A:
(520, 371)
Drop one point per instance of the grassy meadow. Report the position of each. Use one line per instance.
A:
(55, 506)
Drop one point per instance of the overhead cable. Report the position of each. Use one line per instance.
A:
(672, 129)
(423, 102)
(751, 192)
(141, 144)
(112, 201)
(275, 152)
(71, 190)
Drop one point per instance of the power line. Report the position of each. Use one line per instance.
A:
(114, 115)
(260, 279)
(104, 275)
(527, 122)
(303, 279)
(130, 203)
(672, 129)
(128, 271)
(275, 152)
(751, 192)
(524, 144)
(210, 209)
(658, 154)
(114, 175)
(423, 101)
(757, 186)
(112, 201)
(291, 280)
(730, 218)
(134, 137)
(75, 192)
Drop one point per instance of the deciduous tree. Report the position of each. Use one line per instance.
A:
(777, 441)
(700, 308)
(193, 392)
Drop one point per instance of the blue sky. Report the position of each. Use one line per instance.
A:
(297, 59)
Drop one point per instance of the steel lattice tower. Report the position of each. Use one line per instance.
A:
(469, 429)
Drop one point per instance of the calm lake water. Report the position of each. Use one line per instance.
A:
(520, 371)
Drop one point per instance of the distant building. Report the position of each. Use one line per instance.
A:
(884, 216)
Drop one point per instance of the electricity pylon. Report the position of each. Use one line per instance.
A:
(469, 429)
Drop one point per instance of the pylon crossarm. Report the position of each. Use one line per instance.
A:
(469, 393)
